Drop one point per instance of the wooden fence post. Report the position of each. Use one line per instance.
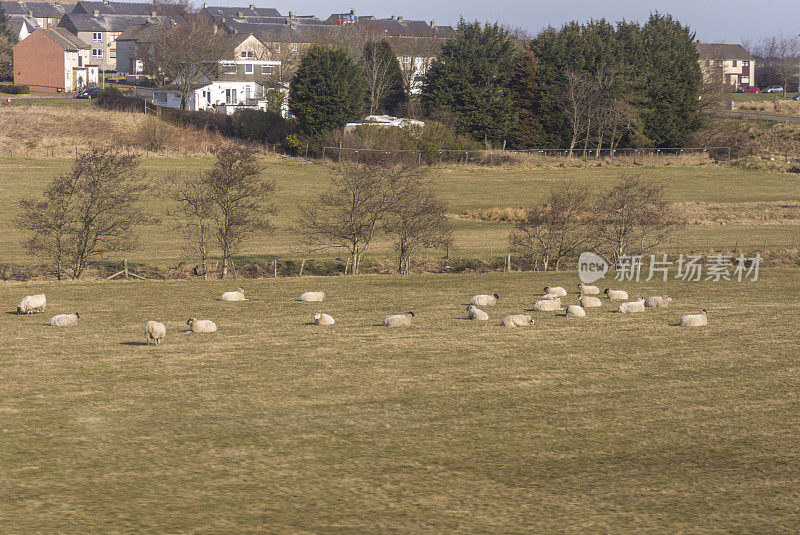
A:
(125, 267)
(302, 265)
(275, 267)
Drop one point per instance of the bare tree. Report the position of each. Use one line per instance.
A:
(188, 53)
(415, 55)
(239, 199)
(633, 217)
(778, 57)
(383, 75)
(555, 229)
(87, 213)
(418, 220)
(348, 215)
(578, 104)
(195, 210)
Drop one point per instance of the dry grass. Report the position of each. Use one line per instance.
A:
(777, 107)
(58, 131)
(508, 213)
(741, 213)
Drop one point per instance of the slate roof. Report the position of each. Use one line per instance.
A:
(720, 51)
(41, 10)
(82, 22)
(123, 8)
(218, 12)
(16, 26)
(64, 39)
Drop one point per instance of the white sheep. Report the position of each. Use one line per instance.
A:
(312, 296)
(616, 295)
(237, 295)
(658, 301)
(587, 301)
(31, 304)
(484, 300)
(323, 319)
(516, 320)
(154, 331)
(575, 311)
(475, 313)
(550, 296)
(695, 320)
(547, 305)
(557, 290)
(398, 320)
(585, 289)
(632, 306)
(64, 320)
(201, 326)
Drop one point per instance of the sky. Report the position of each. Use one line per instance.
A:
(712, 20)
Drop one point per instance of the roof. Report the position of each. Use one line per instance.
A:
(405, 28)
(40, 10)
(722, 51)
(64, 39)
(16, 27)
(227, 12)
(124, 8)
(82, 22)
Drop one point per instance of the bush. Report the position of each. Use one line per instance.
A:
(292, 145)
(261, 126)
(13, 89)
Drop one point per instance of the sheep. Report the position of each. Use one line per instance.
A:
(31, 304)
(632, 306)
(585, 289)
(550, 296)
(312, 296)
(557, 290)
(398, 320)
(657, 302)
(516, 320)
(64, 320)
(238, 295)
(575, 311)
(616, 295)
(547, 305)
(154, 331)
(201, 326)
(323, 319)
(695, 320)
(588, 301)
(484, 300)
(475, 313)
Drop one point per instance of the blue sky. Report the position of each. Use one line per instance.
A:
(713, 20)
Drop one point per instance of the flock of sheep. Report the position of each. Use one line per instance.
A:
(155, 331)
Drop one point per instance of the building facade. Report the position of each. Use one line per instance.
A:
(726, 64)
(54, 61)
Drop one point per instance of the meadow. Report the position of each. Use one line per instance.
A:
(612, 423)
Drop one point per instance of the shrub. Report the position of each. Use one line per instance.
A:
(14, 89)
(260, 126)
(292, 145)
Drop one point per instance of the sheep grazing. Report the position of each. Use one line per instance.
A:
(312, 296)
(616, 295)
(475, 313)
(695, 320)
(632, 306)
(575, 311)
(201, 326)
(585, 289)
(154, 331)
(238, 295)
(516, 320)
(657, 301)
(31, 304)
(64, 320)
(323, 319)
(484, 300)
(398, 320)
(587, 301)
(556, 290)
(547, 305)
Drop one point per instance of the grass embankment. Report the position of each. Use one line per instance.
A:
(466, 190)
(609, 424)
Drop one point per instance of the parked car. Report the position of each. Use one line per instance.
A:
(749, 89)
(90, 93)
(773, 89)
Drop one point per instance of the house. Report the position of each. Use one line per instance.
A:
(20, 29)
(54, 61)
(218, 96)
(35, 14)
(726, 64)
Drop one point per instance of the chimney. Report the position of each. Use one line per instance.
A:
(205, 5)
(399, 18)
(392, 17)
(96, 12)
(30, 13)
(252, 7)
(433, 25)
(153, 13)
(222, 20)
(291, 14)
(105, 2)
(240, 14)
(235, 31)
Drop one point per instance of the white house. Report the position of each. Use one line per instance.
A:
(219, 96)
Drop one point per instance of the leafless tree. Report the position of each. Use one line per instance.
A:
(188, 52)
(415, 55)
(86, 213)
(578, 104)
(633, 217)
(195, 212)
(348, 215)
(380, 72)
(239, 199)
(778, 57)
(555, 229)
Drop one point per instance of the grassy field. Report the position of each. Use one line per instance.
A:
(753, 97)
(608, 424)
(465, 188)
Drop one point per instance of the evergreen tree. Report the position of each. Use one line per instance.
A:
(5, 30)
(327, 91)
(472, 80)
(7, 42)
(528, 130)
(385, 87)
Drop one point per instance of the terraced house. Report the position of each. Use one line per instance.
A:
(25, 17)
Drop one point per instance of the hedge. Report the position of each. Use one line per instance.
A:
(13, 89)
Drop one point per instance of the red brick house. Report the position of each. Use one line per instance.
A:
(54, 61)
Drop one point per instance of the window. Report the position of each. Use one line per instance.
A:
(112, 53)
(247, 53)
(746, 80)
(406, 59)
(735, 63)
(230, 96)
(97, 53)
(228, 68)
(113, 36)
(97, 37)
(248, 68)
(159, 97)
(267, 69)
(745, 64)
(294, 47)
(277, 47)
